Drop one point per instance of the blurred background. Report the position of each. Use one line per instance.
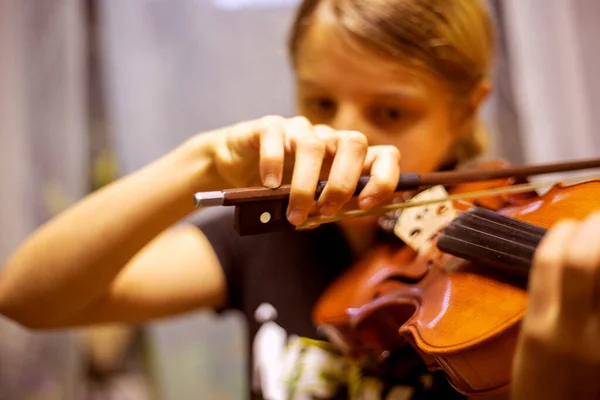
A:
(93, 89)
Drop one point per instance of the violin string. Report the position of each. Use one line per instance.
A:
(310, 222)
(501, 232)
(518, 236)
(497, 224)
(481, 235)
(484, 254)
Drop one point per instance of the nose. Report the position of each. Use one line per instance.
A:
(349, 118)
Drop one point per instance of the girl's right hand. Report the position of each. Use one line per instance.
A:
(116, 272)
(269, 150)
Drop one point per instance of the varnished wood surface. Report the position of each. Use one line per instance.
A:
(462, 317)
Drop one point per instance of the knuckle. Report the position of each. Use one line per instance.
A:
(301, 194)
(354, 138)
(340, 190)
(324, 128)
(390, 151)
(272, 160)
(549, 253)
(567, 223)
(535, 333)
(377, 195)
(381, 186)
(544, 258)
(313, 145)
(577, 261)
(388, 186)
(576, 252)
(541, 324)
(394, 151)
(269, 121)
(324, 131)
(300, 121)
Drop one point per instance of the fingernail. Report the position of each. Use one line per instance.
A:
(313, 208)
(311, 227)
(328, 209)
(295, 217)
(271, 181)
(367, 202)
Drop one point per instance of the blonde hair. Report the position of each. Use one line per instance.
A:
(452, 39)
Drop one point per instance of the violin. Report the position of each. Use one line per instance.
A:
(456, 291)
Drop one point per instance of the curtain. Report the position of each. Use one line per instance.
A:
(177, 68)
(172, 69)
(43, 168)
(554, 58)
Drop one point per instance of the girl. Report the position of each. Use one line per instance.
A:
(373, 79)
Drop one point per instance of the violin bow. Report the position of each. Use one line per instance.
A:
(263, 210)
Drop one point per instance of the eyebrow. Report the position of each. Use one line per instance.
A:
(407, 92)
(312, 84)
(411, 93)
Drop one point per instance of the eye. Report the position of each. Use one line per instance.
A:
(387, 115)
(321, 106)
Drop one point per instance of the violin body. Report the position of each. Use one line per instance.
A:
(460, 316)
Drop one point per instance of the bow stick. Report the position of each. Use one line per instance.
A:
(262, 210)
(379, 210)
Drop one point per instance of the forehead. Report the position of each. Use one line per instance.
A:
(328, 56)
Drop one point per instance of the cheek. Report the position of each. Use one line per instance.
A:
(423, 152)
(425, 145)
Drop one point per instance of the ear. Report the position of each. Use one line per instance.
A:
(480, 93)
(471, 105)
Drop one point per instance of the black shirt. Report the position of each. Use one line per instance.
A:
(275, 280)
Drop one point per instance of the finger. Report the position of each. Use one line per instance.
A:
(546, 272)
(309, 151)
(582, 262)
(594, 238)
(329, 136)
(350, 153)
(384, 165)
(272, 150)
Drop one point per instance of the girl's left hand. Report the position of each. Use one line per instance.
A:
(558, 353)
